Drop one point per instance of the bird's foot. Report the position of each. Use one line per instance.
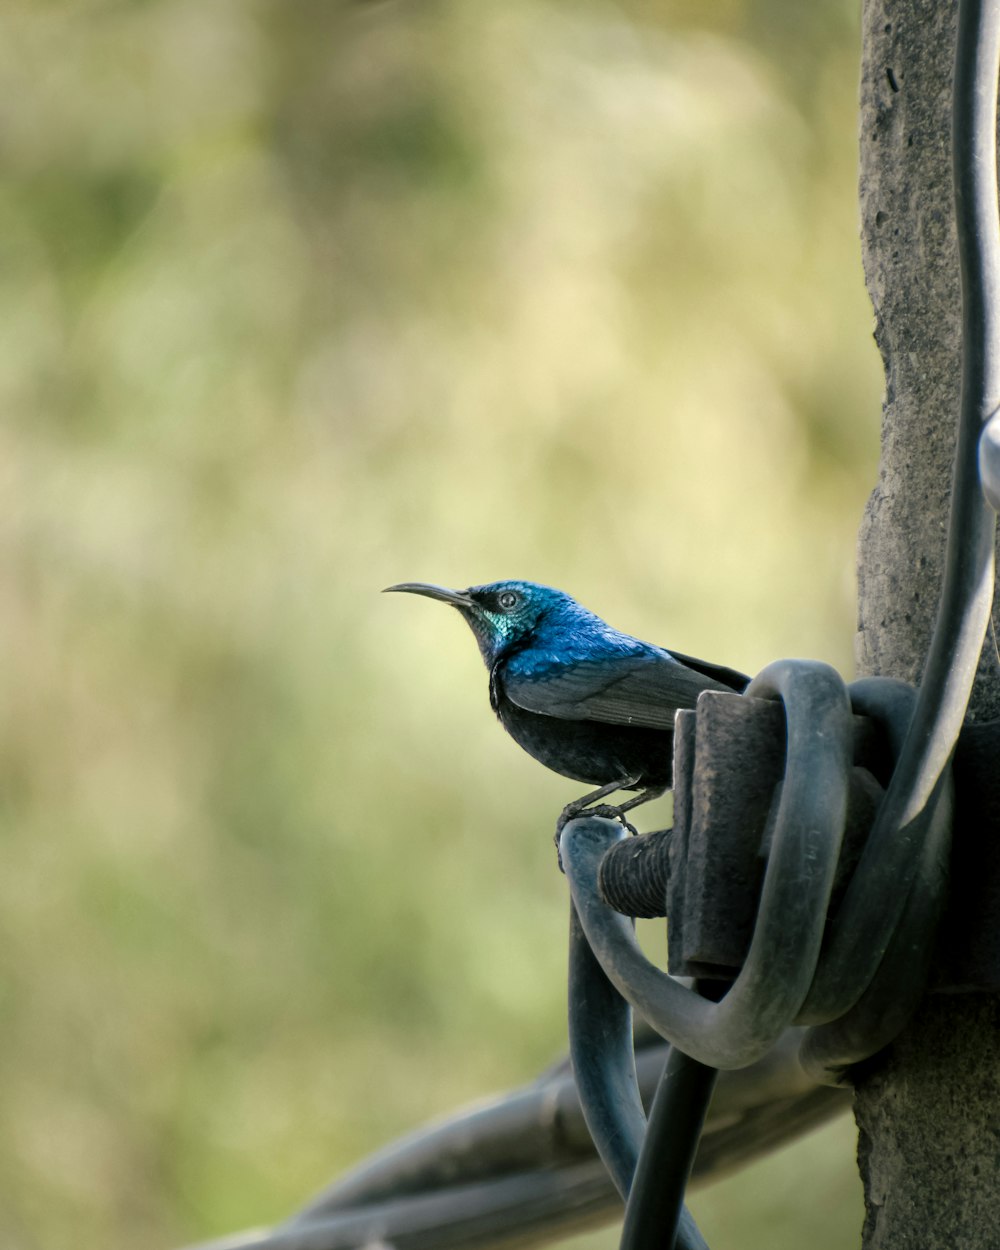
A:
(582, 807)
(610, 812)
(606, 810)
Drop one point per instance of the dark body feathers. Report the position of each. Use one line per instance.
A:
(592, 751)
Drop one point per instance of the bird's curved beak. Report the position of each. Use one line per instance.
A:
(457, 598)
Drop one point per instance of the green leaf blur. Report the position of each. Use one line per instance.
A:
(302, 299)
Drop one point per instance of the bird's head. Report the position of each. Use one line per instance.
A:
(502, 615)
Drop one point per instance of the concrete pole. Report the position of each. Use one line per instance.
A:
(928, 1112)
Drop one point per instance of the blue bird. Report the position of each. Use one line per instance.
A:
(580, 697)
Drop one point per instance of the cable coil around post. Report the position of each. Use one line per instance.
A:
(902, 873)
(779, 969)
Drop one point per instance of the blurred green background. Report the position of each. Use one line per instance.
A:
(301, 299)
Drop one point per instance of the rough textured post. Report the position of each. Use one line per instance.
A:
(929, 1147)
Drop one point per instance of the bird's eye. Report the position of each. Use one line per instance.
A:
(507, 600)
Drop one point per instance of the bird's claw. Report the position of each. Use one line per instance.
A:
(610, 812)
(606, 810)
(587, 806)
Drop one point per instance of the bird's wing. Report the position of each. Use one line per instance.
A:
(639, 690)
(730, 677)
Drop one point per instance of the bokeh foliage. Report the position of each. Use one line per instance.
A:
(302, 299)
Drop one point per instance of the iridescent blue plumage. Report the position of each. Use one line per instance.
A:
(581, 697)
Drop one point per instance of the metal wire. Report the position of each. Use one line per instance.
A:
(522, 1168)
(882, 1008)
(600, 1047)
(601, 1050)
(974, 138)
(656, 1200)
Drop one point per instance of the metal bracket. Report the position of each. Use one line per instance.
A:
(706, 873)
